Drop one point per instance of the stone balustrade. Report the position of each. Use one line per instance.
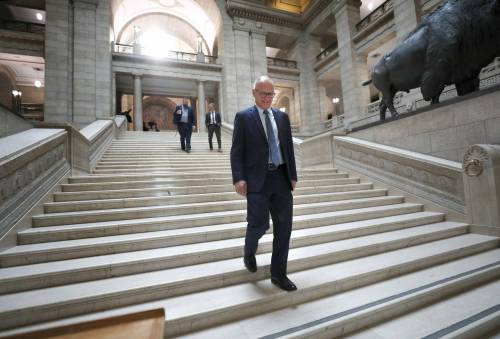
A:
(277, 62)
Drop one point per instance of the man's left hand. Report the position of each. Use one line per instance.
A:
(293, 185)
(194, 128)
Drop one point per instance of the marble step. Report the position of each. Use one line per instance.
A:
(134, 177)
(55, 219)
(163, 156)
(332, 241)
(208, 226)
(187, 182)
(171, 191)
(473, 313)
(211, 306)
(199, 168)
(101, 204)
(341, 313)
(159, 163)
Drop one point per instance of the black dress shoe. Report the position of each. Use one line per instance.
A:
(250, 263)
(284, 283)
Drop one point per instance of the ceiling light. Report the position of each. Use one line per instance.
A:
(16, 93)
(335, 100)
(39, 16)
(38, 83)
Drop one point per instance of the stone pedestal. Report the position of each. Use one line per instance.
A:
(481, 166)
(353, 67)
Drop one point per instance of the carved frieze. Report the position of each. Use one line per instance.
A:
(11, 184)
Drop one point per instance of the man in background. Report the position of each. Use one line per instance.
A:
(213, 122)
(185, 120)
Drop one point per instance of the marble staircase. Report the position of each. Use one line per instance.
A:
(155, 227)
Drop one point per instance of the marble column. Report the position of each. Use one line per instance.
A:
(406, 17)
(244, 72)
(307, 48)
(137, 102)
(258, 59)
(353, 67)
(201, 105)
(113, 95)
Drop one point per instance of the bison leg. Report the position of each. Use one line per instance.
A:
(390, 104)
(383, 109)
(432, 85)
(467, 86)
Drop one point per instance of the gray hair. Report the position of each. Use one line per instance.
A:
(261, 79)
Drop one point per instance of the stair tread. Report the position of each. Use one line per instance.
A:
(205, 215)
(193, 205)
(201, 302)
(436, 317)
(345, 303)
(150, 235)
(28, 270)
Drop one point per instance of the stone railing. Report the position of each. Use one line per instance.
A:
(335, 122)
(282, 63)
(31, 163)
(327, 51)
(470, 189)
(174, 55)
(21, 26)
(89, 143)
(11, 123)
(434, 179)
(377, 13)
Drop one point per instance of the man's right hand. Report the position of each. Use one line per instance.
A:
(241, 187)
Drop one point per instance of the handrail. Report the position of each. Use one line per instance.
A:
(176, 55)
(281, 62)
(332, 47)
(22, 26)
(375, 14)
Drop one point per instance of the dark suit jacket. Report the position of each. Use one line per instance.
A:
(218, 120)
(191, 115)
(250, 152)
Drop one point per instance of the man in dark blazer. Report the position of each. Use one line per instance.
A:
(213, 123)
(185, 119)
(263, 168)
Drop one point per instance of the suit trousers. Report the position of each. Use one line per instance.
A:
(185, 131)
(275, 198)
(211, 129)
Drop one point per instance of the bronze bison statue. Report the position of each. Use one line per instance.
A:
(449, 46)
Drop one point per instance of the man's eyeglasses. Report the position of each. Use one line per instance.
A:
(266, 94)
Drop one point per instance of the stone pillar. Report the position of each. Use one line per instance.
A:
(113, 95)
(325, 105)
(137, 102)
(307, 48)
(58, 78)
(104, 77)
(77, 61)
(258, 60)
(226, 53)
(84, 62)
(201, 105)
(482, 184)
(406, 17)
(244, 73)
(353, 67)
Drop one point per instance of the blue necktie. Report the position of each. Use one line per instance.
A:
(271, 140)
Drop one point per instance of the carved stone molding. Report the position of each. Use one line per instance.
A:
(474, 160)
(431, 181)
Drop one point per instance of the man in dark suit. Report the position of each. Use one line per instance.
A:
(213, 123)
(185, 120)
(263, 168)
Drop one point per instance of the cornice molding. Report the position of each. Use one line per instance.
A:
(263, 14)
